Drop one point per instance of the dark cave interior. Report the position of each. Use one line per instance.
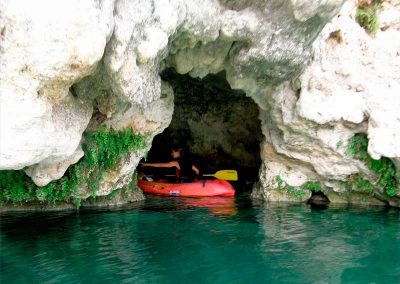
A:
(216, 125)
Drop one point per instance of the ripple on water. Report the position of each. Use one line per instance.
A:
(169, 240)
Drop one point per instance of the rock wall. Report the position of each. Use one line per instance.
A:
(67, 66)
(351, 87)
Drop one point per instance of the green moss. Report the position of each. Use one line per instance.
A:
(357, 147)
(103, 148)
(77, 202)
(14, 186)
(367, 17)
(133, 185)
(113, 194)
(358, 183)
(291, 190)
(279, 180)
(383, 168)
(311, 185)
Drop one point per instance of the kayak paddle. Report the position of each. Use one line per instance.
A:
(224, 175)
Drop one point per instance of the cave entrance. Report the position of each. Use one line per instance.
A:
(219, 126)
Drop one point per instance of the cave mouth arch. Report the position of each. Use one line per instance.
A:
(217, 125)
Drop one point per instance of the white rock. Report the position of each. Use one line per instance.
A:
(352, 86)
(44, 172)
(112, 52)
(48, 46)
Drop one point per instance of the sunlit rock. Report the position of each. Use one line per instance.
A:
(46, 46)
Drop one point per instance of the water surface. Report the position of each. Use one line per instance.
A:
(214, 240)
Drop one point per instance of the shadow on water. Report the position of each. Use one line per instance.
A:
(41, 221)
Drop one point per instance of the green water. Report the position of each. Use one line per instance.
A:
(174, 240)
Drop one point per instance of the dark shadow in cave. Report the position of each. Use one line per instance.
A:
(217, 125)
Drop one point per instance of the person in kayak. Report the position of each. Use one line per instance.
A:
(184, 166)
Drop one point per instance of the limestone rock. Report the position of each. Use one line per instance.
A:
(50, 46)
(118, 197)
(269, 189)
(43, 173)
(118, 178)
(334, 87)
(148, 120)
(351, 86)
(71, 65)
(351, 198)
(39, 133)
(46, 46)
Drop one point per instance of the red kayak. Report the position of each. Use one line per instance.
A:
(191, 189)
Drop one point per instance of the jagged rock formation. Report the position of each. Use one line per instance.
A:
(73, 65)
(350, 87)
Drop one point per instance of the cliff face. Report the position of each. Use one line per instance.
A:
(76, 66)
(350, 87)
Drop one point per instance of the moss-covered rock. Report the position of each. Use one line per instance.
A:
(353, 198)
(105, 150)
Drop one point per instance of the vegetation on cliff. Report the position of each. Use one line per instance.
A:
(383, 168)
(367, 16)
(298, 192)
(104, 149)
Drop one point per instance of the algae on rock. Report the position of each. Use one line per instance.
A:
(104, 150)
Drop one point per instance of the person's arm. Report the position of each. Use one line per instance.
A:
(162, 165)
(196, 170)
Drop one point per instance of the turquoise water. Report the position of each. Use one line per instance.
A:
(174, 240)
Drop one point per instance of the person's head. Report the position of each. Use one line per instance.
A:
(176, 152)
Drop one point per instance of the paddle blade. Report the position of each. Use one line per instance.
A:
(226, 175)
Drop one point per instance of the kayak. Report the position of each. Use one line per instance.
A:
(191, 189)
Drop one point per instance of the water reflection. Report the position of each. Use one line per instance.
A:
(326, 246)
(213, 240)
(215, 205)
(55, 246)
